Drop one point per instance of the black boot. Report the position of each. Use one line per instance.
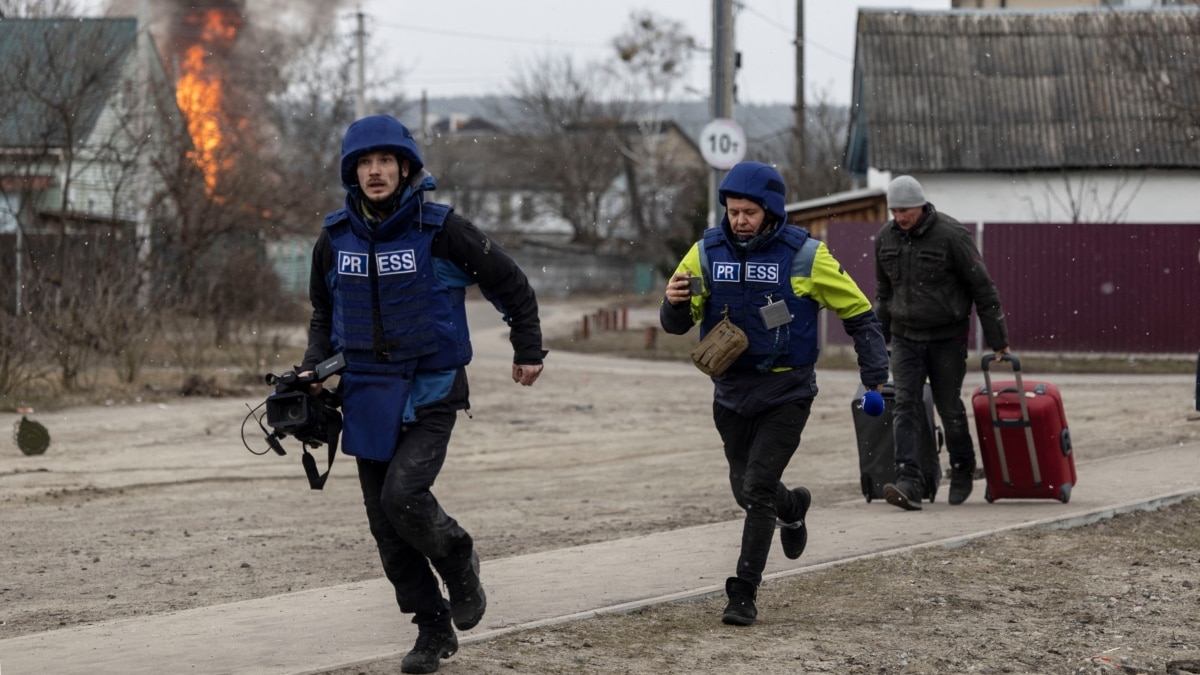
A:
(794, 535)
(467, 599)
(962, 479)
(432, 646)
(906, 491)
(741, 610)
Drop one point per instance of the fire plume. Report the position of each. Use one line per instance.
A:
(199, 88)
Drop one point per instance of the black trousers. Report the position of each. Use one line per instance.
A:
(758, 450)
(410, 528)
(944, 364)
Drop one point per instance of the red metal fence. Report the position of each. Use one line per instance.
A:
(1072, 287)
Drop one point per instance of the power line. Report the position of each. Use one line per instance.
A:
(492, 38)
(791, 37)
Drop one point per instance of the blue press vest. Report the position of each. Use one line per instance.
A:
(745, 282)
(423, 321)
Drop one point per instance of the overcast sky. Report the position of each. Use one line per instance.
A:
(473, 47)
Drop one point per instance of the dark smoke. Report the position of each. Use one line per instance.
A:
(173, 30)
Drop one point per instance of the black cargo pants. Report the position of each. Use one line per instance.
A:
(944, 364)
(410, 528)
(758, 450)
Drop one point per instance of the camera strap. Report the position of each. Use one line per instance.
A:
(333, 430)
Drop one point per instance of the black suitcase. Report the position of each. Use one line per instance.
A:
(877, 454)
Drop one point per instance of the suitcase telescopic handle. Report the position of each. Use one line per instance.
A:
(1024, 421)
(986, 362)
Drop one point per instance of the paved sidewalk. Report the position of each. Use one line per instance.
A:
(313, 631)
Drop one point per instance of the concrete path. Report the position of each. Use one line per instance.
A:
(316, 630)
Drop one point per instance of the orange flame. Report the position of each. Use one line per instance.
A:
(199, 94)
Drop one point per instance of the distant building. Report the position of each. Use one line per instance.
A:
(77, 102)
(1031, 116)
(84, 102)
(1059, 4)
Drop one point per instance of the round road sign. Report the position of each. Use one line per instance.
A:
(722, 143)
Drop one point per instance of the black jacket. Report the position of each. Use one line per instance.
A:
(928, 278)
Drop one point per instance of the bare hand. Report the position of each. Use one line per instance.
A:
(526, 375)
(677, 288)
(314, 388)
(999, 352)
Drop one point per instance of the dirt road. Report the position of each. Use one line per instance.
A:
(136, 510)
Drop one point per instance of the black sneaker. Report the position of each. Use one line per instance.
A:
(432, 646)
(467, 599)
(961, 482)
(794, 535)
(740, 611)
(905, 493)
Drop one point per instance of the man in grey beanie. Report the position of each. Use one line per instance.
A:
(928, 275)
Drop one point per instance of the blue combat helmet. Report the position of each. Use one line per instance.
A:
(375, 133)
(757, 182)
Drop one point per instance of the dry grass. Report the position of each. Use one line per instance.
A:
(210, 371)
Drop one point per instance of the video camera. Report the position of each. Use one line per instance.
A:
(292, 410)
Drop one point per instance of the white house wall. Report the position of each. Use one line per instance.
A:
(103, 185)
(1085, 197)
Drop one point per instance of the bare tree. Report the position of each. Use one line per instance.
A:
(309, 102)
(76, 192)
(661, 178)
(37, 9)
(822, 173)
(564, 126)
(1087, 199)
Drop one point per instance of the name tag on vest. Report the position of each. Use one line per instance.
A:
(392, 262)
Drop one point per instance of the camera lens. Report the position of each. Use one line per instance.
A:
(294, 412)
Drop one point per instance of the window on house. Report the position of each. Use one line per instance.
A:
(1143, 4)
(506, 208)
(527, 208)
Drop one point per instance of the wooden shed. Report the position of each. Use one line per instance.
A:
(857, 206)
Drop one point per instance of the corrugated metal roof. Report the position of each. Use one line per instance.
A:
(56, 75)
(1009, 90)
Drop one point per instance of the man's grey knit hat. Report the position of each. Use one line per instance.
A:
(905, 193)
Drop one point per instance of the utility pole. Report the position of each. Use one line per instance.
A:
(801, 113)
(360, 101)
(724, 57)
(424, 117)
(142, 227)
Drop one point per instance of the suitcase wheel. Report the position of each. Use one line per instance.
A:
(987, 494)
(1064, 493)
(1064, 439)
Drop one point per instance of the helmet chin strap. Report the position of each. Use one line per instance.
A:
(767, 228)
(379, 210)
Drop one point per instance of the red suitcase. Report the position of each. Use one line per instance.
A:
(1031, 455)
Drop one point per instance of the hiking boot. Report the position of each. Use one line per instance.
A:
(794, 535)
(432, 646)
(961, 482)
(905, 493)
(467, 599)
(741, 610)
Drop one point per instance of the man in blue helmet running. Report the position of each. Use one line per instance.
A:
(769, 278)
(389, 274)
